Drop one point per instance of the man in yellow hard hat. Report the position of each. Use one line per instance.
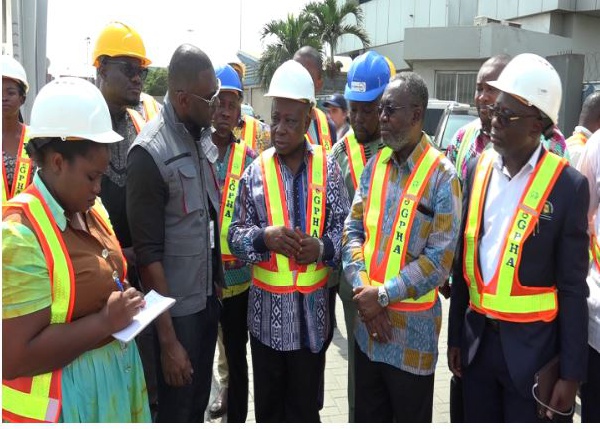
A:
(121, 67)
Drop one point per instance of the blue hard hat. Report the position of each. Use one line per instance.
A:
(368, 76)
(229, 78)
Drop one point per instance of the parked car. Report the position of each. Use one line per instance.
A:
(452, 118)
(435, 110)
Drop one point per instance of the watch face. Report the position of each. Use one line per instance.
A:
(383, 298)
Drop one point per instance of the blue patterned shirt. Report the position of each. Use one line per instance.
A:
(431, 245)
(288, 321)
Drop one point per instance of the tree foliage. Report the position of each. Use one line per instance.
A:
(156, 81)
(289, 35)
(329, 22)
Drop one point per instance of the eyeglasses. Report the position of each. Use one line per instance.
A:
(506, 117)
(214, 100)
(129, 69)
(388, 109)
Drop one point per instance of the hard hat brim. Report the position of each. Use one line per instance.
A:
(366, 96)
(105, 138)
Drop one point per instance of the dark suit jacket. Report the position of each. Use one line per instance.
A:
(557, 254)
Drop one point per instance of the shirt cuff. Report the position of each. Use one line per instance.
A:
(259, 242)
(328, 250)
(396, 289)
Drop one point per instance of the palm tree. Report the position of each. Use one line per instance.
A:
(290, 35)
(327, 21)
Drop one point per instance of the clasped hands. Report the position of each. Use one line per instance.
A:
(373, 315)
(295, 244)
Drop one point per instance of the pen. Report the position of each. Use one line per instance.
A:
(119, 284)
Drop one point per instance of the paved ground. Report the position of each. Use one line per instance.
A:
(335, 407)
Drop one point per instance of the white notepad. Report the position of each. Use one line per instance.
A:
(156, 304)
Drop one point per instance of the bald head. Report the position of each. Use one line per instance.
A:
(312, 61)
(187, 62)
(484, 93)
(590, 112)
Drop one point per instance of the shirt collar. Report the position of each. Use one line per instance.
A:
(58, 213)
(583, 130)
(414, 156)
(532, 162)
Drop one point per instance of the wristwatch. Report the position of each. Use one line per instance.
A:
(382, 296)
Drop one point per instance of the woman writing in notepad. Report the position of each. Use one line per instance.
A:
(63, 274)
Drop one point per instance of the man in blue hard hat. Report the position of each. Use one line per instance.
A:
(368, 76)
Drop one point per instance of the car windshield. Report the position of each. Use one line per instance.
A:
(453, 124)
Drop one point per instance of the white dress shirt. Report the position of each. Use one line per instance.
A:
(503, 196)
(589, 166)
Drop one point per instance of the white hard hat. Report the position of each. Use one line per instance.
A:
(534, 80)
(11, 68)
(72, 107)
(292, 80)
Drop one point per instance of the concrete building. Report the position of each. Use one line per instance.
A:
(446, 41)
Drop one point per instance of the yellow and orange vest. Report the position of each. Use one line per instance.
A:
(379, 271)
(322, 129)
(23, 170)
(504, 297)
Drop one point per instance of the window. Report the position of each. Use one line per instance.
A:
(457, 86)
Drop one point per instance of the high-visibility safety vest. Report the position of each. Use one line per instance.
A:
(356, 157)
(324, 138)
(151, 109)
(23, 170)
(394, 259)
(38, 399)
(595, 250)
(248, 133)
(235, 168)
(280, 274)
(504, 297)
(467, 141)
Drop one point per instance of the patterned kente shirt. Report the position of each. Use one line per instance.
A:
(414, 344)
(289, 321)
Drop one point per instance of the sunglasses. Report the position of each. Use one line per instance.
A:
(129, 69)
(388, 109)
(506, 117)
(214, 100)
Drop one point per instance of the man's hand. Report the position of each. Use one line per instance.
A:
(282, 240)
(176, 365)
(309, 248)
(380, 327)
(563, 396)
(454, 363)
(365, 298)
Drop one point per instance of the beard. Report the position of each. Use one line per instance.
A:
(396, 143)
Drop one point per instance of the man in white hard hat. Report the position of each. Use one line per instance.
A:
(291, 252)
(519, 292)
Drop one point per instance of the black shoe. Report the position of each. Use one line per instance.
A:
(219, 406)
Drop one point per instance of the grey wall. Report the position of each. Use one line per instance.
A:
(570, 69)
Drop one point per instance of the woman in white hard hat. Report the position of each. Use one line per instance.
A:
(16, 167)
(63, 291)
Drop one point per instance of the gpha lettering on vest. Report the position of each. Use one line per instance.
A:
(23, 170)
(280, 274)
(504, 297)
(379, 270)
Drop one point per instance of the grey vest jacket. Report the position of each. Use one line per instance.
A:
(190, 178)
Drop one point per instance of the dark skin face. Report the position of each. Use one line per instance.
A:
(76, 183)
(364, 119)
(227, 114)
(12, 100)
(290, 120)
(486, 94)
(120, 90)
(400, 129)
(195, 113)
(517, 139)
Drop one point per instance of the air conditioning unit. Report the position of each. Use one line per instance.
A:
(484, 20)
(511, 24)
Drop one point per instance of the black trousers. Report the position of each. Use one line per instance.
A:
(235, 337)
(197, 333)
(286, 384)
(385, 394)
(590, 390)
(489, 393)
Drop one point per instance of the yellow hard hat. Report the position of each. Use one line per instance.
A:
(392, 67)
(118, 39)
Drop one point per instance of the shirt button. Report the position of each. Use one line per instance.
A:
(104, 253)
